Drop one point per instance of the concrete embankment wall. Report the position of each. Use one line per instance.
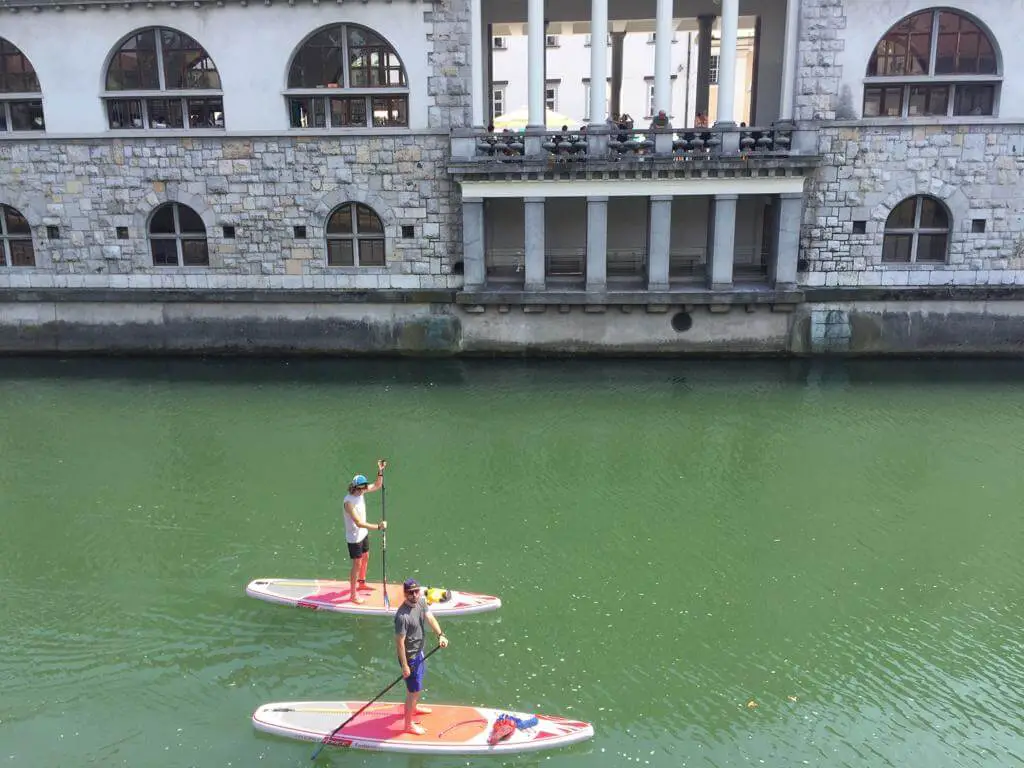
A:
(412, 324)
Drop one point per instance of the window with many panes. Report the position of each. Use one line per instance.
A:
(21, 99)
(933, 63)
(345, 76)
(497, 101)
(355, 237)
(551, 96)
(16, 235)
(160, 78)
(917, 231)
(177, 237)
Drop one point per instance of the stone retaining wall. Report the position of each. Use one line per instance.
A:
(264, 187)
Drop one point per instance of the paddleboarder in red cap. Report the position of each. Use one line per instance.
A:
(409, 621)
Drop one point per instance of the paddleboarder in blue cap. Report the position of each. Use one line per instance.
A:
(357, 529)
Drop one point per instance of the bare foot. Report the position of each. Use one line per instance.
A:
(423, 710)
(416, 730)
(364, 585)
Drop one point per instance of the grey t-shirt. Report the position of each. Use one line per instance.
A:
(409, 622)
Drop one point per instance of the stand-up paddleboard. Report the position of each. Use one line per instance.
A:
(451, 729)
(331, 595)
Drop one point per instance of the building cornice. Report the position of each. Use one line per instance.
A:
(38, 6)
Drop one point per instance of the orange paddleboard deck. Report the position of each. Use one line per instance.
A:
(450, 729)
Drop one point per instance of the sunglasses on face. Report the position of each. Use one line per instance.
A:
(414, 593)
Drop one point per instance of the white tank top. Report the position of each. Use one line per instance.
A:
(353, 533)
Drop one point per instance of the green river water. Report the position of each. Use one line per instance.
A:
(718, 564)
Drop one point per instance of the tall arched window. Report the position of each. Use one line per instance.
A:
(916, 231)
(355, 237)
(21, 99)
(177, 237)
(163, 79)
(17, 239)
(364, 79)
(935, 62)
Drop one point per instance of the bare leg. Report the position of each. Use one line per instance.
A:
(410, 708)
(353, 596)
(363, 562)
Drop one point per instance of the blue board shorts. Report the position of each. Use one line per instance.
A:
(417, 671)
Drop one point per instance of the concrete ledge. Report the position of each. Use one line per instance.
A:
(911, 293)
(485, 166)
(227, 296)
(696, 296)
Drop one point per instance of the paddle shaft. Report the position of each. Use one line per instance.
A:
(384, 541)
(327, 740)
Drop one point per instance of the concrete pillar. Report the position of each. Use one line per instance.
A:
(534, 217)
(597, 243)
(473, 263)
(476, 47)
(787, 240)
(727, 63)
(659, 243)
(663, 27)
(535, 28)
(790, 53)
(618, 44)
(598, 60)
(722, 238)
(705, 24)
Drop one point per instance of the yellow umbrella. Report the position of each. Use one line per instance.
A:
(519, 119)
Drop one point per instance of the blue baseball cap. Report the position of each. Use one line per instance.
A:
(360, 480)
(410, 584)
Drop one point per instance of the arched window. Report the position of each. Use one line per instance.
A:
(17, 238)
(367, 82)
(916, 231)
(935, 62)
(177, 237)
(160, 78)
(21, 108)
(355, 237)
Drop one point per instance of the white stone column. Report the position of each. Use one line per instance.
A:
(476, 63)
(723, 241)
(474, 269)
(535, 63)
(597, 243)
(598, 61)
(663, 28)
(727, 63)
(787, 239)
(790, 53)
(534, 240)
(659, 243)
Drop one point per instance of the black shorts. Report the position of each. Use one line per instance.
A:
(355, 551)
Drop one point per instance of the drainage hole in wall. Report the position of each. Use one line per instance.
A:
(682, 321)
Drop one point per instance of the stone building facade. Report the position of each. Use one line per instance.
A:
(880, 184)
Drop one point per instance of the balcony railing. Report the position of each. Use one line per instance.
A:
(631, 145)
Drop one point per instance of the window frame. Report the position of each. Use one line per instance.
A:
(320, 98)
(144, 98)
(31, 99)
(355, 237)
(6, 238)
(551, 85)
(177, 237)
(498, 95)
(916, 230)
(875, 86)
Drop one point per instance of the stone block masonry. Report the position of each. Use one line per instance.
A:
(818, 92)
(263, 187)
(976, 171)
(451, 74)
